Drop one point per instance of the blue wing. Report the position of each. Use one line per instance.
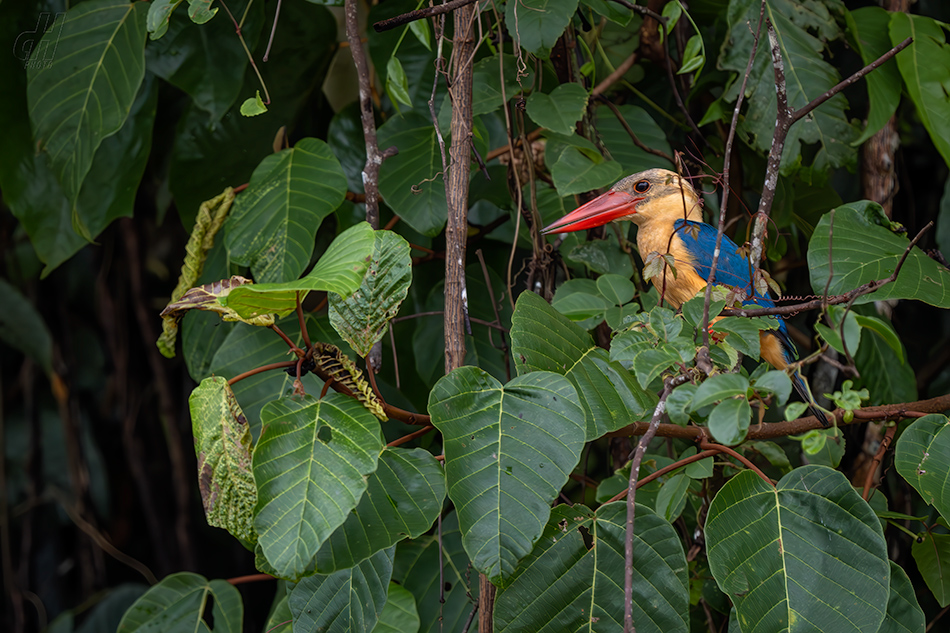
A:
(733, 270)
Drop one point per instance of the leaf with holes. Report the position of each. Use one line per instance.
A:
(311, 466)
(361, 317)
(273, 224)
(922, 458)
(84, 94)
(223, 449)
(508, 451)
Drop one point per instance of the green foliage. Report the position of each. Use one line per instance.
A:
(313, 463)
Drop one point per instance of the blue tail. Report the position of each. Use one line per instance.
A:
(802, 388)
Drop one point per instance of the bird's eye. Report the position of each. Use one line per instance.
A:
(642, 186)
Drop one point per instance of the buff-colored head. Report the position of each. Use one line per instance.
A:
(640, 198)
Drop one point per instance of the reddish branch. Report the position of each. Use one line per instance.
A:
(801, 425)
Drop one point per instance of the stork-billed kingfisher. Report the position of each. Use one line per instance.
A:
(669, 219)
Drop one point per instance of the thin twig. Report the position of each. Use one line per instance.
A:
(686, 461)
(408, 438)
(419, 14)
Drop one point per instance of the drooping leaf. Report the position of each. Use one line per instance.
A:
(925, 67)
(347, 600)
(339, 270)
(84, 94)
(273, 224)
(810, 535)
(868, 27)
(252, 106)
(560, 110)
(210, 219)
(223, 448)
(535, 25)
(177, 603)
(209, 297)
(397, 86)
(159, 15)
(583, 583)
(361, 317)
(32, 192)
(864, 251)
(931, 551)
(402, 499)
(803, 30)
(416, 61)
(310, 466)
(411, 182)
(922, 457)
(508, 451)
(886, 374)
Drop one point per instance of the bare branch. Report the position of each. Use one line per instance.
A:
(420, 14)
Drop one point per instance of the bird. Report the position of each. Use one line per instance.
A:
(668, 214)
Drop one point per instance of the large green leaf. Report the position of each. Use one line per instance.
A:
(348, 600)
(178, 603)
(32, 192)
(560, 110)
(535, 25)
(339, 270)
(486, 83)
(273, 224)
(621, 147)
(925, 66)
(206, 61)
(922, 458)
(583, 584)
(508, 451)
(803, 29)
(868, 27)
(311, 466)
(85, 92)
(402, 499)
(223, 448)
(440, 581)
(412, 182)
(361, 317)
(773, 550)
(400, 614)
(863, 251)
(544, 340)
(903, 611)
(22, 327)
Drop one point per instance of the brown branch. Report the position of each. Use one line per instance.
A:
(615, 76)
(240, 580)
(709, 446)
(633, 136)
(784, 119)
(262, 369)
(800, 425)
(636, 8)
(419, 14)
(878, 458)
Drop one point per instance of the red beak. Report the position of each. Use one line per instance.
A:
(599, 211)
